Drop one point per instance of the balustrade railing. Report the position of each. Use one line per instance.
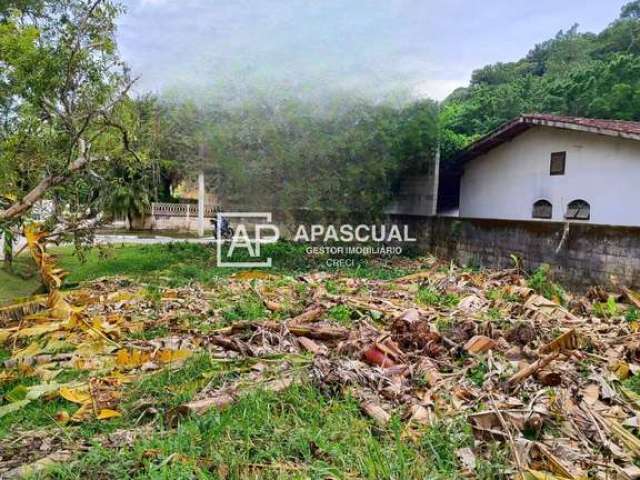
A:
(160, 209)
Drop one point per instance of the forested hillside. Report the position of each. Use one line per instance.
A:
(581, 74)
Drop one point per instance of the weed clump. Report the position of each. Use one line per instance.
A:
(543, 285)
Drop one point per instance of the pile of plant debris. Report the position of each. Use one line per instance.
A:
(546, 378)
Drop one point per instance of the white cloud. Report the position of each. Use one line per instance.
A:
(437, 89)
(154, 3)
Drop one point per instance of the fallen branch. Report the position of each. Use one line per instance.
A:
(318, 333)
(308, 316)
(531, 369)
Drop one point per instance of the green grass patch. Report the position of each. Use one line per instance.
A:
(249, 307)
(633, 383)
(299, 433)
(176, 264)
(431, 297)
(169, 388)
(139, 261)
(632, 314)
(13, 286)
(341, 314)
(477, 373)
(608, 309)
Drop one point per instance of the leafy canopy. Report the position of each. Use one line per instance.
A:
(62, 100)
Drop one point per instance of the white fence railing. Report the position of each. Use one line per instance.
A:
(187, 210)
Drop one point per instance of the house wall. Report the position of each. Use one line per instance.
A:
(506, 181)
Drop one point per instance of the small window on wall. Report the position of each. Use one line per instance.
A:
(578, 210)
(558, 162)
(542, 209)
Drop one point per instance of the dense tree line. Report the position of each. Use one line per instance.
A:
(343, 156)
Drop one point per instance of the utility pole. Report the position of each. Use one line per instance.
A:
(201, 204)
(436, 178)
(201, 192)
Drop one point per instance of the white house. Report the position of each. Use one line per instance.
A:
(554, 168)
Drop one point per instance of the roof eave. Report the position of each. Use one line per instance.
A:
(583, 128)
(515, 127)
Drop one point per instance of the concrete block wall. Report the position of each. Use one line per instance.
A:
(589, 255)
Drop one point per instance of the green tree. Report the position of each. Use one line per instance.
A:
(631, 10)
(61, 91)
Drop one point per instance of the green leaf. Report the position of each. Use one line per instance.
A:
(12, 407)
(18, 393)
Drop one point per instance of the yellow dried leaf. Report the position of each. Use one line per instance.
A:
(39, 330)
(624, 436)
(131, 359)
(168, 356)
(94, 347)
(45, 374)
(569, 340)
(254, 275)
(6, 375)
(31, 350)
(121, 296)
(120, 377)
(83, 413)
(538, 475)
(122, 358)
(75, 395)
(5, 333)
(621, 369)
(107, 413)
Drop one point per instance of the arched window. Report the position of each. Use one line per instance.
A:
(542, 209)
(578, 210)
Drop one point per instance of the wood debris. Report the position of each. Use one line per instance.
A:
(548, 381)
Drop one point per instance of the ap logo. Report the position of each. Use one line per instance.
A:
(259, 224)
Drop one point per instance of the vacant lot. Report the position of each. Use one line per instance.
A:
(157, 364)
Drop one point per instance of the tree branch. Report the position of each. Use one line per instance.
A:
(23, 205)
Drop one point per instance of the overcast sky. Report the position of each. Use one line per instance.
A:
(428, 47)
